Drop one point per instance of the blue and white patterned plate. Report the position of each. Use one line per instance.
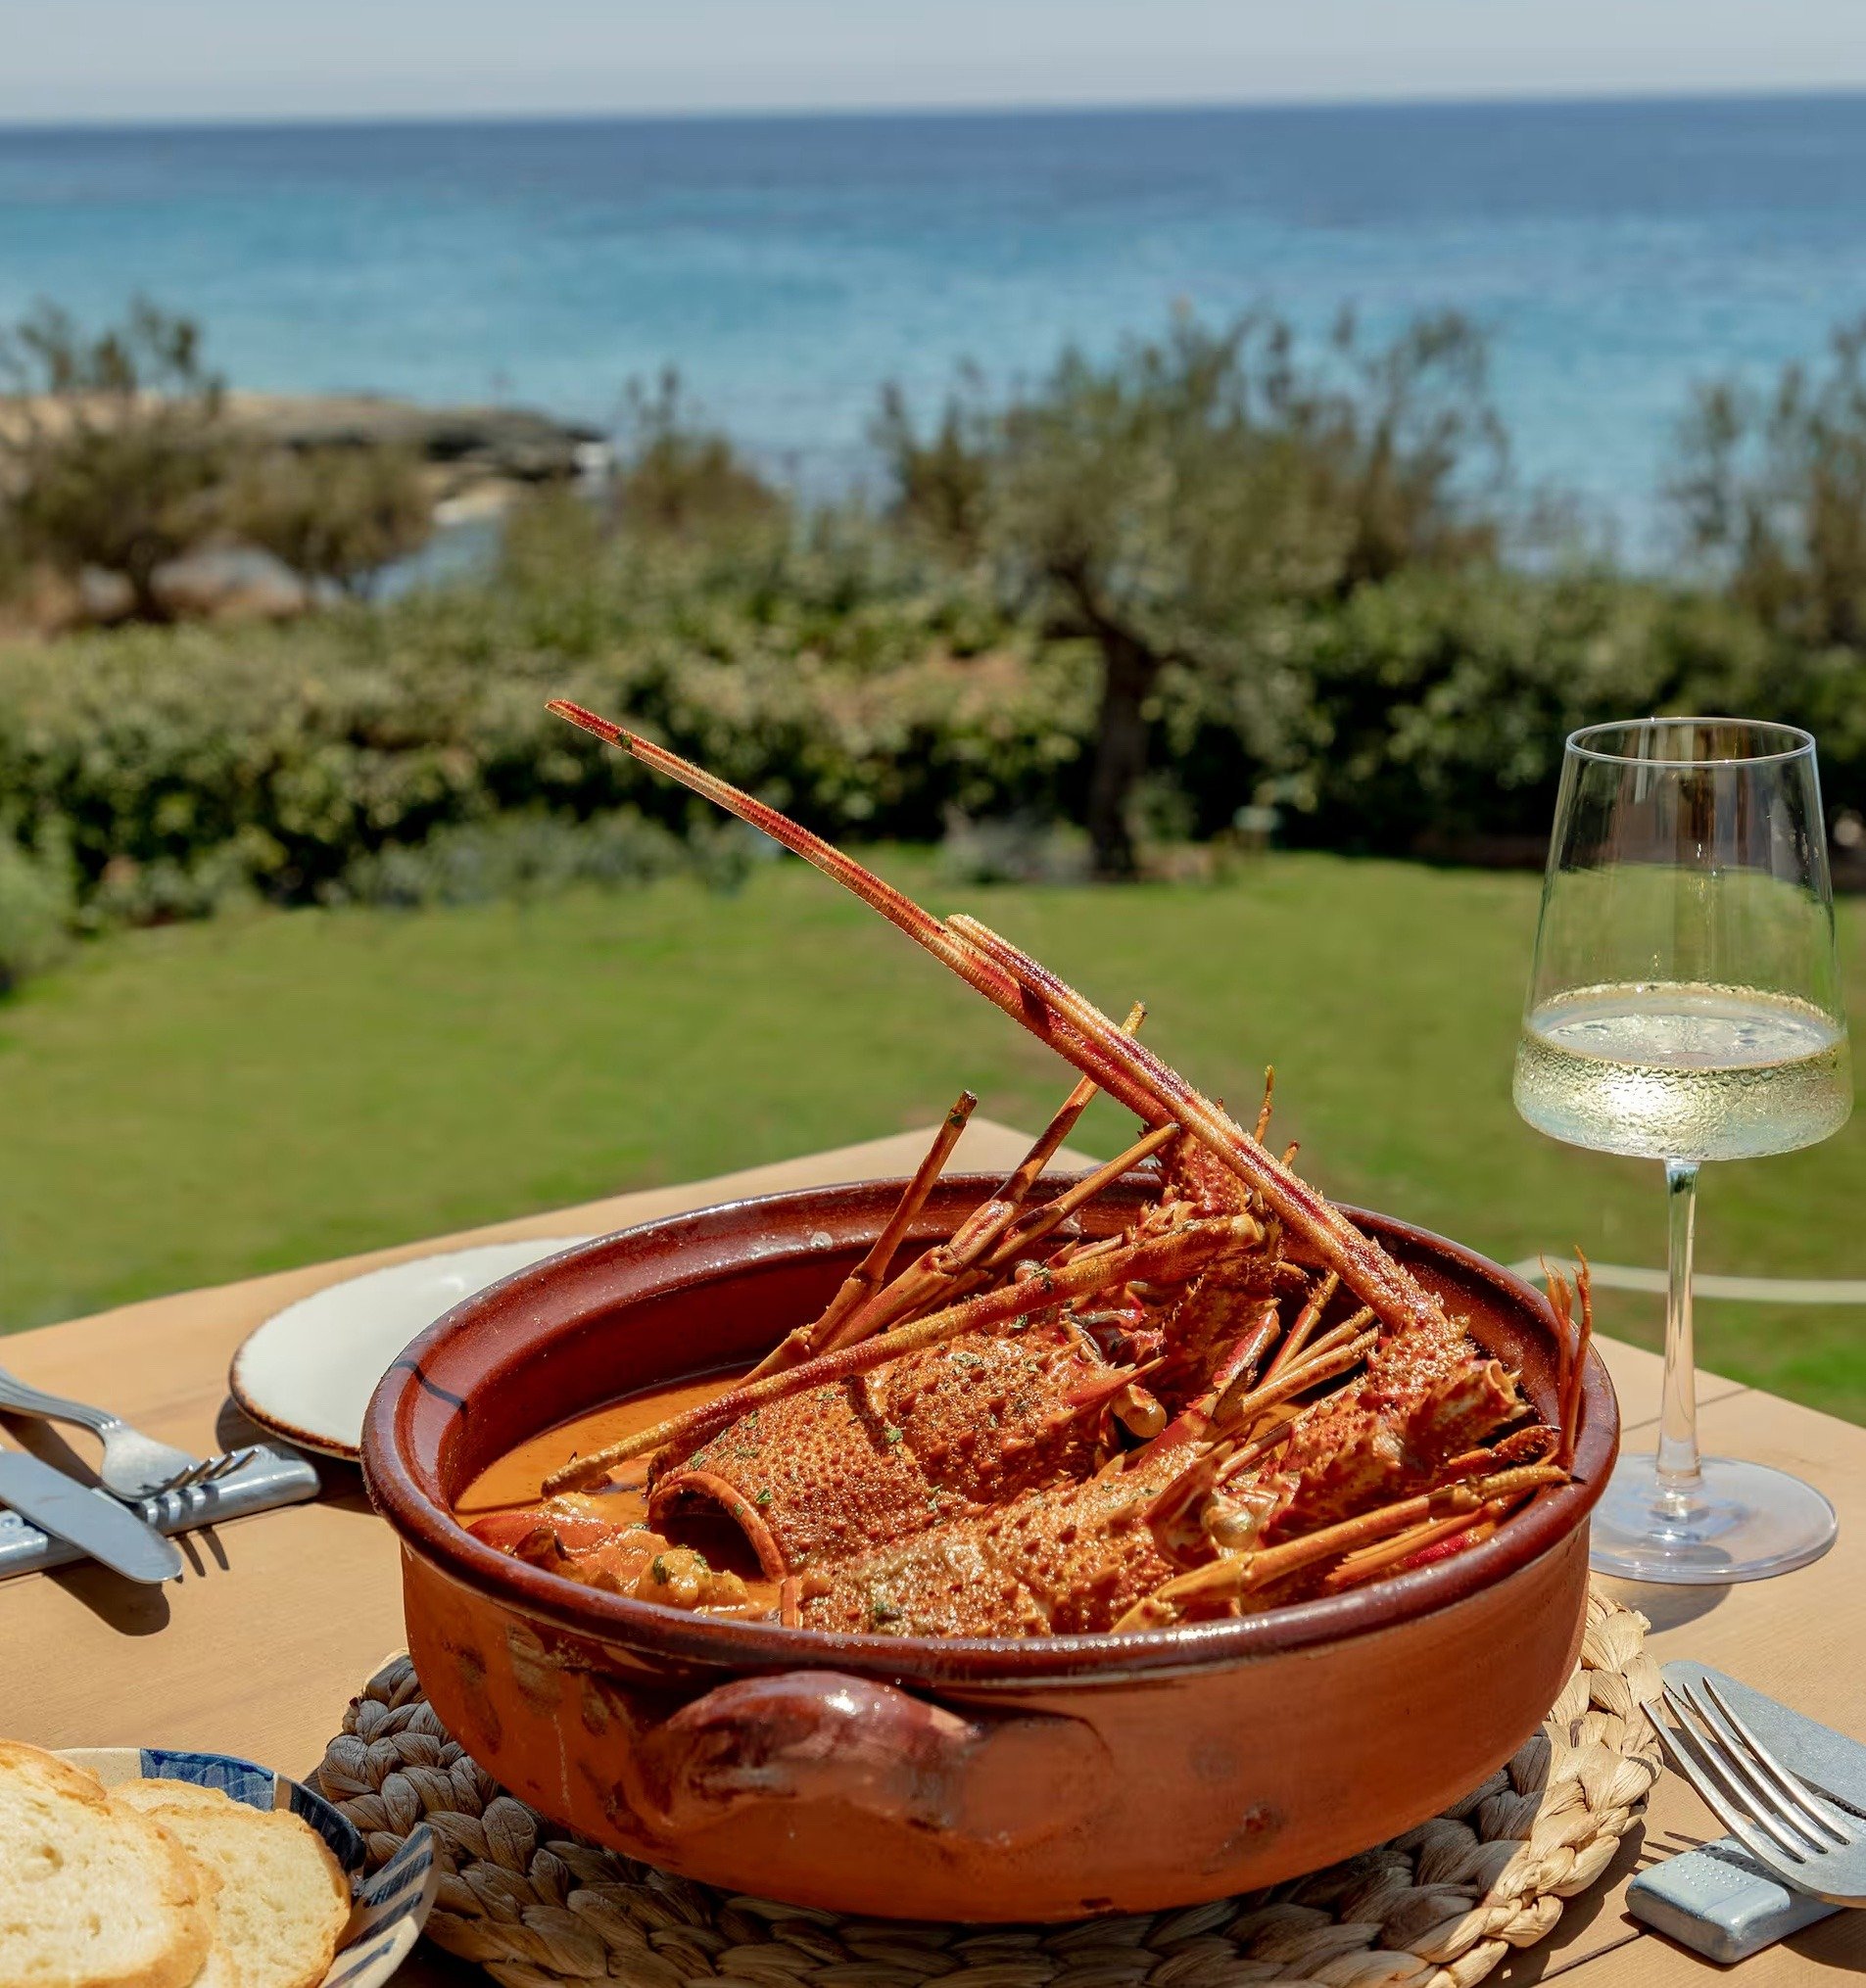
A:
(391, 1908)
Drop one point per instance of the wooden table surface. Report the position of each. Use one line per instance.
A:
(258, 1647)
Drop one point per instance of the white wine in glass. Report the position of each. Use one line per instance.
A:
(1685, 1007)
(1683, 1072)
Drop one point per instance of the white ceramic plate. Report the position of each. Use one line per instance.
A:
(308, 1371)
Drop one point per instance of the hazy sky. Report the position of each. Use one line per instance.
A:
(159, 59)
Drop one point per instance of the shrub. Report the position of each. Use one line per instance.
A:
(1427, 715)
(335, 513)
(523, 855)
(185, 763)
(401, 753)
(679, 478)
(35, 912)
(1771, 490)
(112, 446)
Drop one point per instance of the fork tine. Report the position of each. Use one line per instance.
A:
(211, 1469)
(1729, 1753)
(1684, 1756)
(1709, 1770)
(1786, 1779)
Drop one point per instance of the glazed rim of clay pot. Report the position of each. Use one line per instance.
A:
(403, 1466)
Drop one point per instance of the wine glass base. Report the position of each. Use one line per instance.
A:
(1738, 1522)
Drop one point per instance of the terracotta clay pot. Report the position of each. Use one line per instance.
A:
(1002, 1778)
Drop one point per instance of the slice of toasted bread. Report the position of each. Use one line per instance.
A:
(283, 1898)
(91, 1895)
(153, 1794)
(222, 1968)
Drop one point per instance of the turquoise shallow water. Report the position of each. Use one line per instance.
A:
(790, 265)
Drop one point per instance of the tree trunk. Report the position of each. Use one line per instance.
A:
(1129, 671)
(145, 602)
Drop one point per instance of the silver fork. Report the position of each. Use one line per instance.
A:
(135, 1466)
(1795, 1833)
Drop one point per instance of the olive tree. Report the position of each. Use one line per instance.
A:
(338, 512)
(676, 477)
(1770, 489)
(114, 446)
(1151, 503)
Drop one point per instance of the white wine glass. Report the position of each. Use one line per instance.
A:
(1685, 1006)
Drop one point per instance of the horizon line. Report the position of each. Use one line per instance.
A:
(1534, 99)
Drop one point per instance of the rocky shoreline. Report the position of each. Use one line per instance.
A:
(471, 444)
(475, 462)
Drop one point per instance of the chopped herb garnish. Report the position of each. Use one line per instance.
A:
(891, 1433)
(763, 1499)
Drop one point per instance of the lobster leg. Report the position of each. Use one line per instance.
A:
(1049, 1140)
(1237, 1410)
(988, 1242)
(1194, 1422)
(1262, 1111)
(865, 1279)
(1241, 1573)
(980, 1243)
(1574, 1358)
(1047, 1219)
(1306, 1319)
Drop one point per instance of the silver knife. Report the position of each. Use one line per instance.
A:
(89, 1519)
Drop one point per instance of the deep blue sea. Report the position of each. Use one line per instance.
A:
(1615, 250)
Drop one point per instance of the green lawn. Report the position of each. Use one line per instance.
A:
(194, 1104)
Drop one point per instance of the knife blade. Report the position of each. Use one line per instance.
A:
(90, 1520)
(1835, 1764)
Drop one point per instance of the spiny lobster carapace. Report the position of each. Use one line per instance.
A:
(1237, 1399)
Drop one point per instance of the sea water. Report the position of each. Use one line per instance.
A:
(1615, 250)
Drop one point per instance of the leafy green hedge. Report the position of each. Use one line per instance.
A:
(149, 773)
(1430, 712)
(180, 762)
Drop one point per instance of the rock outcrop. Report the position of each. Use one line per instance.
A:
(505, 443)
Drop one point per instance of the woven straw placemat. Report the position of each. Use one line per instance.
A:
(1436, 1908)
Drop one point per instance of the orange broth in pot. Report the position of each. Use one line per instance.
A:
(516, 1481)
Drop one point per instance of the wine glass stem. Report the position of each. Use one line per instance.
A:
(1678, 1419)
